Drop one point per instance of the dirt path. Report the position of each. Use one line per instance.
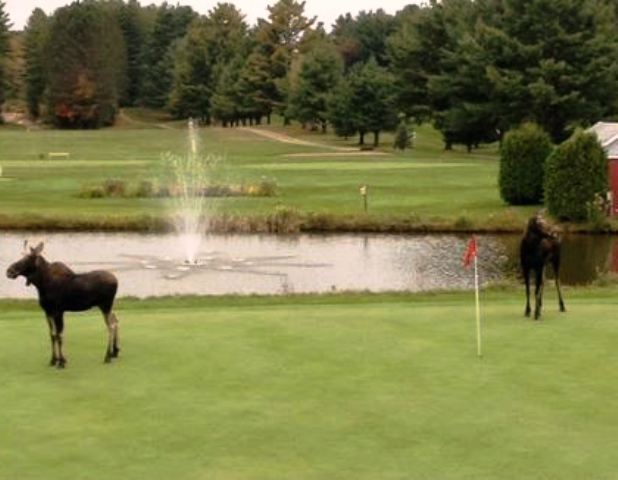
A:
(19, 119)
(132, 121)
(283, 138)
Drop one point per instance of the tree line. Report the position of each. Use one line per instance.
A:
(474, 68)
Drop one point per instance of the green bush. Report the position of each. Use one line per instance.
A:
(114, 187)
(522, 163)
(145, 189)
(403, 138)
(575, 173)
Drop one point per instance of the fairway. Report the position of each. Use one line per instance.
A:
(422, 187)
(335, 387)
(375, 165)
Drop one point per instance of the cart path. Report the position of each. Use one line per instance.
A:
(283, 138)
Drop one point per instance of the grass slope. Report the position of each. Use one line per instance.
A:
(422, 187)
(342, 387)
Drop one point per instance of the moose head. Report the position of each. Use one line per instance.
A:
(29, 263)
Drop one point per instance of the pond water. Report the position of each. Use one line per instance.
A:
(152, 265)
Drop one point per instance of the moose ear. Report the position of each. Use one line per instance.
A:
(38, 249)
(25, 246)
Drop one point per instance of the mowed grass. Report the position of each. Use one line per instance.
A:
(425, 185)
(310, 387)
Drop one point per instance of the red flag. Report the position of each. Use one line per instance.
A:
(470, 253)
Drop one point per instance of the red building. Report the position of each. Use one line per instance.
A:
(608, 136)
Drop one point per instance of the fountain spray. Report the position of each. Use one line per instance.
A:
(191, 176)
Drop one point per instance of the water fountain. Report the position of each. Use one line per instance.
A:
(191, 176)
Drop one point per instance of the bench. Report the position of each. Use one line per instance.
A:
(58, 155)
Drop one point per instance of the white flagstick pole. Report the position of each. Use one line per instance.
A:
(479, 349)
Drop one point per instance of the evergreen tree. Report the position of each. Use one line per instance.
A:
(319, 72)
(228, 102)
(342, 111)
(439, 74)
(277, 41)
(170, 26)
(364, 36)
(210, 44)
(550, 61)
(15, 66)
(363, 102)
(373, 97)
(134, 33)
(37, 30)
(86, 59)
(4, 51)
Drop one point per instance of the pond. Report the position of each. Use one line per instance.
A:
(152, 265)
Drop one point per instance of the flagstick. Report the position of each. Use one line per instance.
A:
(479, 350)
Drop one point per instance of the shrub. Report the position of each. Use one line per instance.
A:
(522, 163)
(145, 189)
(284, 220)
(91, 192)
(115, 188)
(402, 136)
(575, 173)
(266, 187)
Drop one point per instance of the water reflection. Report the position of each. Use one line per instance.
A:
(153, 265)
(584, 257)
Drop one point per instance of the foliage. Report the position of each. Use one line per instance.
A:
(364, 36)
(522, 164)
(132, 23)
(212, 43)
(85, 68)
(320, 71)
(170, 25)
(363, 102)
(36, 39)
(575, 174)
(481, 68)
(4, 50)
(277, 41)
(341, 109)
(403, 137)
(551, 61)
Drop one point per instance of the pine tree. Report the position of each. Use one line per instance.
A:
(319, 72)
(86, 59)
(342, 112)
(277, 41)
(373, 96)
(211, 43)
(134, 33)
(5, 26)
(364, 36)
(171, 24)
(37, 30)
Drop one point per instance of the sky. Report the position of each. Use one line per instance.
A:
(326, 10)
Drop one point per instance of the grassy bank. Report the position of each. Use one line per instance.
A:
(314, 387)
(419, 190)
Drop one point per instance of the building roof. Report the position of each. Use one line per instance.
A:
(607, 132)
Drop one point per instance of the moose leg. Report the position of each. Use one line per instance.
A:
(52, 336)
(556, 265)
(112, 324)
(538, 293)
(115, 347)
(527, 282)
(59, 324)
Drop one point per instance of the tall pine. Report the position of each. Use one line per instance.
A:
(37, 30)
(86, 60)
(4, 51)
(170, 26)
